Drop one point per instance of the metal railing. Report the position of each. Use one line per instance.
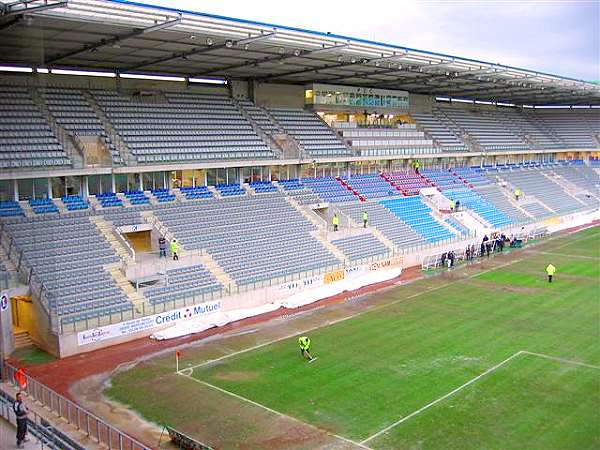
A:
(95, 428)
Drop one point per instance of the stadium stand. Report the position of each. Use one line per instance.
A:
(403, 139)
(311, 133)
(401, 234)
(360, 247)
(182, 127)
(472, 200)
(73, 112)
(371, 186)
(181, 283)
(416, 214)
(252, 237)
(444, 134)
(572, 129)
(485, 128)
(534, 182)
(26, 139)
(330, 189)
(408, 182)
(70, 265)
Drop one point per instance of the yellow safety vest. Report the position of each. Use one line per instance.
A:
(336, 220)
(174, 247)
(365, 216)
(304, 342)
(550, 270)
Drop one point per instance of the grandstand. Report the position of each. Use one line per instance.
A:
(160, 165)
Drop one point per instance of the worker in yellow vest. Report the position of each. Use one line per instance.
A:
(335, 222)
(517, 194)
(550, 270)
(451, 205)
(175, 249)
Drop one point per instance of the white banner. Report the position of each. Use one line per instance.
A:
(146, 323)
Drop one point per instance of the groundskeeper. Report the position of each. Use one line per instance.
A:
(304, 342)
(550, 270)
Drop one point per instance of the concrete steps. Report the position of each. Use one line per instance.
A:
(107, 230)
(218, 272)
(137, 299)
(23, 339)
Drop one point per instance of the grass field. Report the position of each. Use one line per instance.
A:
(490, 356)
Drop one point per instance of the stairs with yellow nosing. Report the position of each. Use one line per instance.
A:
(107, 230)
(138, 300)
(218, 272)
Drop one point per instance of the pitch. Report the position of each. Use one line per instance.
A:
(486, 356)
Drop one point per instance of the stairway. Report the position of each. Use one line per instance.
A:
(23, 339)
(124, 151)
(66, 139)
(218, 272)
(107, 230)
(138, 300)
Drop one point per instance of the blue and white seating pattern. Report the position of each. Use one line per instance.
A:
(183, 283)
(413, 212)
(361, 247)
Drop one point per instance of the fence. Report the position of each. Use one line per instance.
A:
(95, 428)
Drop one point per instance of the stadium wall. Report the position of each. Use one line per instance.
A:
(278, 95)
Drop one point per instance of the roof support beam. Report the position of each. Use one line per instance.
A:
(327, 67)
(104, 42)
(268, 59)
(22, 7)
(198, 51)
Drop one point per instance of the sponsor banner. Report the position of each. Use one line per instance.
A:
(146, 323)
(4, 299)
(300, 285)
(332, 277)
(386, 263)
(134, 228)
(356, 271)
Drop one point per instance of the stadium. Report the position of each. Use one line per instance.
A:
(184, 196)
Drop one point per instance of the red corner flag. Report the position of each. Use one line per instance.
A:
(21, 379)
(177, 356)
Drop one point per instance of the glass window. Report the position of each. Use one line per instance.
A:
(58, 187)
(187, 178)
(233, 175)
(25, 189)
(72, 185)
(7, 190)
(40, 188)
(199, 177)
(121, 182)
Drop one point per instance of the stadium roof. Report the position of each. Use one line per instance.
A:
(129, 37)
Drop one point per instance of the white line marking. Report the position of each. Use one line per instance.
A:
(444, 397)
(343, 319)
(563, 360)
(594, 258)
(487, 372)
(272, 411)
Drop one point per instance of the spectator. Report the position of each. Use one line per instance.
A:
(488, 248)
(472, 251)
(457, 205)
(468, 253)
(443, 259)
(452, 258)
(175, 249)
(162, 247)
(365, 219)
(21, 412)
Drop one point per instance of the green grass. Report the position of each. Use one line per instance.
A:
(388, 362)
(31, 356)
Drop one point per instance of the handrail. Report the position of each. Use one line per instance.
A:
(83, 420)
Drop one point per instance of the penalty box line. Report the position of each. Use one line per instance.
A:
(473, 380)
(272, 411)
(343, 319)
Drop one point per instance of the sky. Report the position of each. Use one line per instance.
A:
(558, 37)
